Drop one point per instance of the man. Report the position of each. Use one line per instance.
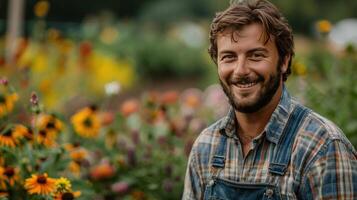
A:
(268, 146)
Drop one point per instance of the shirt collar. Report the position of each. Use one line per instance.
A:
(275, 126)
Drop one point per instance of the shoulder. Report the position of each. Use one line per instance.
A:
(321, 131)
(318, 138)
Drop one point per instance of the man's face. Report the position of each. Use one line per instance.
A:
(248, 68)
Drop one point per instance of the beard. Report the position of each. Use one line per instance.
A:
(264, 96)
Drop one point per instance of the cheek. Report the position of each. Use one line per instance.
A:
(223, 73)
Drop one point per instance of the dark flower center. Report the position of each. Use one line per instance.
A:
(51, 125)
(41, 179)
(87, 122)
(8, 133)
(2, 99)
(43, 133)
(9, 172)
(67, 196)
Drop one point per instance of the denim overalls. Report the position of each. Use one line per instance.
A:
(222, 189)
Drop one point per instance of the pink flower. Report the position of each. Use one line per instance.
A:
(121, 187)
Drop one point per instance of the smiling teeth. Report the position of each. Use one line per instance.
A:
(246, 85)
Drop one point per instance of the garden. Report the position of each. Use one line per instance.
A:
(108, 108)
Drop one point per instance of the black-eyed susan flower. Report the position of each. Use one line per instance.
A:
(24, 131)
(40, 184)
(49, 122)
(7, 103)
(86, 122)
(10, 175)
(9, 138)
(46, 138)
(67, 195)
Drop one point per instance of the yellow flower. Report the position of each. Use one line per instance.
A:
(9, 138)
(7, 103)
(86, 122)
(299, 68)
(41, 8)
(323, 26)
(63, 185)
(40, 184)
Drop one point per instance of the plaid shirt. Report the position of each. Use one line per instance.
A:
(323, 162)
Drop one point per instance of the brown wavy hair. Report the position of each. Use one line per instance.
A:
(246, 12)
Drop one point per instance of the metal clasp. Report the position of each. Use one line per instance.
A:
(269, 193)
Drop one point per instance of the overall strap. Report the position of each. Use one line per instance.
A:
(281, 159)
(219, 158)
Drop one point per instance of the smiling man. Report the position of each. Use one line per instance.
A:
(269, 146)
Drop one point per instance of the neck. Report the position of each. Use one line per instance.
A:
(252, 124)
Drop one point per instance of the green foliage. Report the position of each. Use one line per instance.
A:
(332, 89)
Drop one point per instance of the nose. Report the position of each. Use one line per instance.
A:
(241, 68)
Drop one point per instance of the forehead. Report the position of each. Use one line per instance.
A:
(249, 35)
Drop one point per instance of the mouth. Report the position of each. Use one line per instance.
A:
(246, 85)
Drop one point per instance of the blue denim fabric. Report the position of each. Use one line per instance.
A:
(220, 189)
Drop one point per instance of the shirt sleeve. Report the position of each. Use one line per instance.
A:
(193, 189)
(333, 175)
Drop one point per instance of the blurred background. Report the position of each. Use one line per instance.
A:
(79, 53)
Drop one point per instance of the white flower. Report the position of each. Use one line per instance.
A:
(112, 88)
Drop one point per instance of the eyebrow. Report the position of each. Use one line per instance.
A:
(248, 52)
(257, 49)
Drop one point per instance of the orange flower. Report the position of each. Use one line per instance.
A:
(129, 107)
(9, 138)
(75, 168)
(23, 131)
(323, 26)
(106, 118)
(50, 123)
(41, 8)
(79, 154)
(10, 174)
(191, 98)
(102, 171)
(46, 137)
(7, 103)
(40, 184)
(86, 122)
(169, 97)
(138, 195)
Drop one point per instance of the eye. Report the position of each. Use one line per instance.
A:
(257, 56)
(228, 57)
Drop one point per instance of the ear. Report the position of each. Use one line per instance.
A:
(284, 66)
